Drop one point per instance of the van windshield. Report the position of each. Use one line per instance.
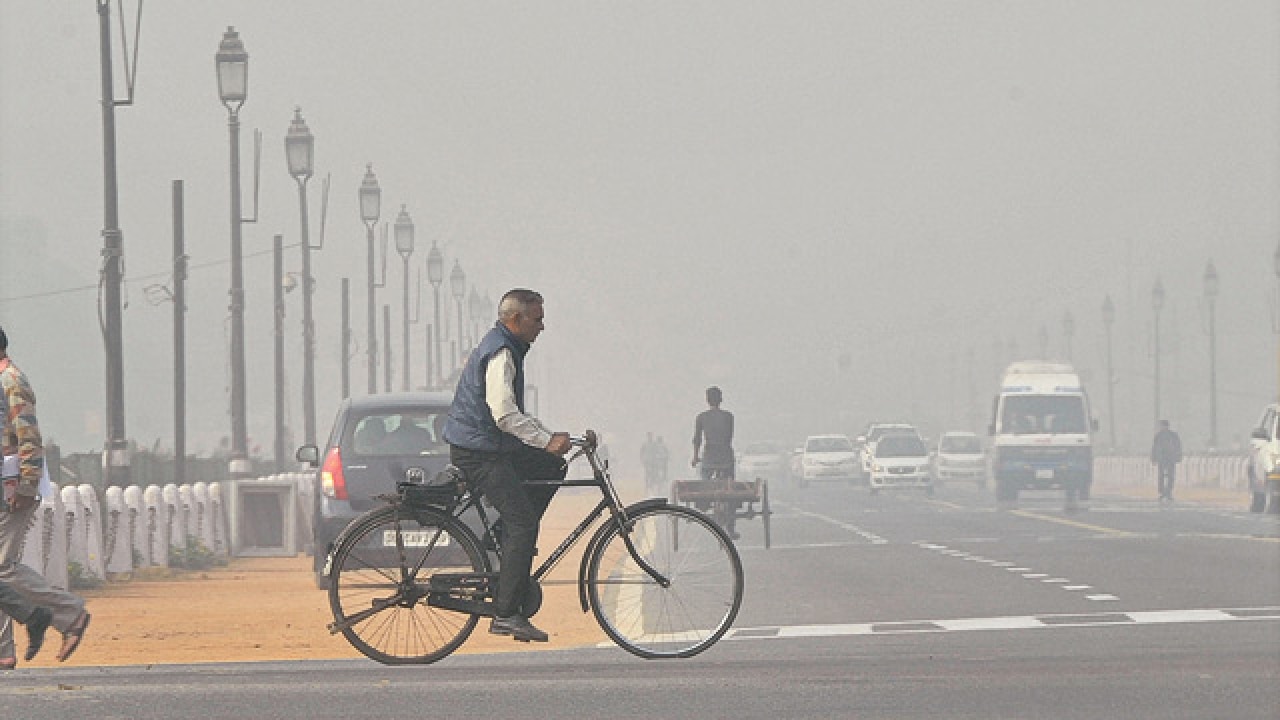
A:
(1026, 414)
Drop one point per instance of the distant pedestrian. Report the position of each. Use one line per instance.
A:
(1166, 453)
(646, 459)
(661, 459)
(20, 436)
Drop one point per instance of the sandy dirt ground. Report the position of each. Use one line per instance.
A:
(257, 609)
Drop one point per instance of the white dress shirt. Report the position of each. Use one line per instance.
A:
(500, 394)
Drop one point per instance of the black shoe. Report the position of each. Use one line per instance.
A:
(518, 627)
(36, 626)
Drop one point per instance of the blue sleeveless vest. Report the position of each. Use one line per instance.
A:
(470, 423)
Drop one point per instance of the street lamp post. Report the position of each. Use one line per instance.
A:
(1109, 319)
(1210, 296)
(1157, 304)
(299, 147)
(1276, 260)
(404, 246)
(233, 85)
(116, 455)
(370, 209)
(435, 275)
(458, 284)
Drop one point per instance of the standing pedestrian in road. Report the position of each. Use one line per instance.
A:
(21, 437)
(1166, 453)
(661, 458)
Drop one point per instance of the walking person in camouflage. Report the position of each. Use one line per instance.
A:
(21, 437)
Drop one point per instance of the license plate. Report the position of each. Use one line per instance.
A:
(1044, 474)
(414, 538)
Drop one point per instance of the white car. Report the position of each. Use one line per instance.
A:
(900, 460)
(960, 457)
(763, 460)
(875, 431)
(1264, 462)
(828, 457)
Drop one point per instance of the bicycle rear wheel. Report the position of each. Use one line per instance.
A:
(378, 600)
(702, 597)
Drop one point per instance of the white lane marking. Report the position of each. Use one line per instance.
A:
(865, 534)
(1013, 622)
(1026, 572)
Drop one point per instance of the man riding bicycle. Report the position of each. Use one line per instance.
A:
(713, 436)
(505, 451)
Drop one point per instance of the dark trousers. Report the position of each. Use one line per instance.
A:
(1165, 475)
(509, 481)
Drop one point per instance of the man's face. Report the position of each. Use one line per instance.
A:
(528, 324)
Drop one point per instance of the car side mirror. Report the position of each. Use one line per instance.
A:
(309, 454)
(1259, 434)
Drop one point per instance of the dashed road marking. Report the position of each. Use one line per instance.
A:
(1026, 572)
(866, 534)
(1015, 622)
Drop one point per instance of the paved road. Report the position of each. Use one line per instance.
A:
(894, 606)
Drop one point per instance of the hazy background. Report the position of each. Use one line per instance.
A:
(837, 211)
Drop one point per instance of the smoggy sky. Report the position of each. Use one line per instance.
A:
(837, 211)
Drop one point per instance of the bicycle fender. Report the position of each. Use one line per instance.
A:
(598, 537)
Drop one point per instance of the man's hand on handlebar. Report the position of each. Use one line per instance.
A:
(559, 444)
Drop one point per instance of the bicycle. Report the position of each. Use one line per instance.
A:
(409, 580)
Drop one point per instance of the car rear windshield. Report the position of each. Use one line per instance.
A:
(829, 444)
(900, 446)
(960, 444)
(402, 432)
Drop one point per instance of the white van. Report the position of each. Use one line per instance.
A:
(1040, 431)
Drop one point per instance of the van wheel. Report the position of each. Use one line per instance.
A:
(1259, 502)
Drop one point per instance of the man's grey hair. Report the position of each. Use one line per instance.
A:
(516, 302)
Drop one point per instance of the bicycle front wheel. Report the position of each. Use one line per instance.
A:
(703, 593)
(379, 578)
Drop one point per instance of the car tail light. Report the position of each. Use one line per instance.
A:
(332, 483)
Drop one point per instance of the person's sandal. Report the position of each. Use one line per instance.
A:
(72, 637)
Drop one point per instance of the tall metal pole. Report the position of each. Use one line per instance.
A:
(372, 340)
(438, 379)
(232, 65)
(1213, 378)
(1108, 319)
(370, 208)
(300, 156)
(116, 452)
(346, 338)
(1157, 300)
(404, 385)
(179, 339)
(277, 294)
(386, 355)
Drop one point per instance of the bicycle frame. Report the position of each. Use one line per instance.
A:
(609, 501)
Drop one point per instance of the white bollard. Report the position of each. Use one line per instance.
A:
(117, 546)
(176, 530)
(94, 559)
(133, 522)
(76, 551)
(46, 548)
(218, 520)
(156, 526)
(203, 516)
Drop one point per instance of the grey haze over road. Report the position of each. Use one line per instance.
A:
(836, 211)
